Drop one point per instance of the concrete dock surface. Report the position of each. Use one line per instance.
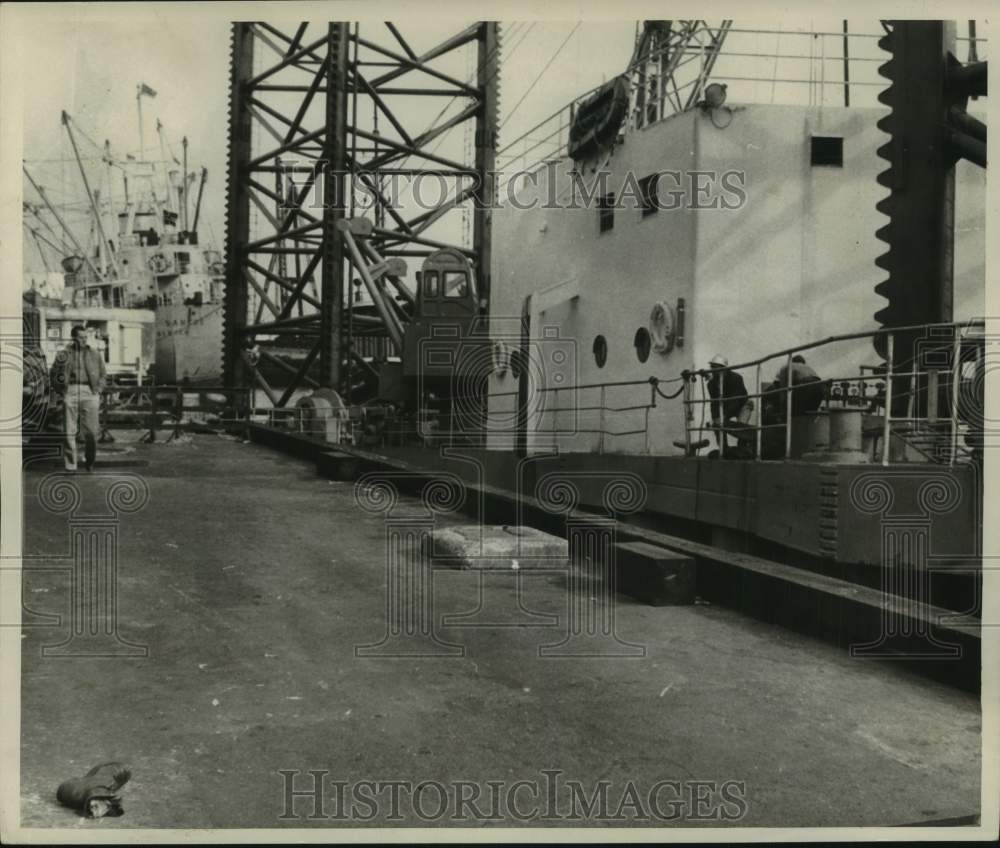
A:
(250, 581)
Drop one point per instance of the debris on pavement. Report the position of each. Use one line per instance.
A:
(98, 792)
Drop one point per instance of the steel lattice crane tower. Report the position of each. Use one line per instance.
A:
(306, 92)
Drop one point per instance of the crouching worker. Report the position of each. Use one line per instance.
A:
(807, 390)
(78, 377)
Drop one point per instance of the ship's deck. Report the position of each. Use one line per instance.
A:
(251, 580)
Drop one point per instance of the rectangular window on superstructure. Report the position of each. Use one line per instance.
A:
(827, 150)
(606, 212)
(647, 194)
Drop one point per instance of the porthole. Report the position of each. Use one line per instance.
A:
(600, 351)
(643, 344)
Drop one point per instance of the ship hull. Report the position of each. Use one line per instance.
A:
(189, 344)
(818, 516)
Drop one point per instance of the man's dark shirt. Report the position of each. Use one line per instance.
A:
(732, 388)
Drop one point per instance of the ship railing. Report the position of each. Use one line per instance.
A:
(296, 419)
(901, 398)
(543, 414)
(474, 420)
(898, 404)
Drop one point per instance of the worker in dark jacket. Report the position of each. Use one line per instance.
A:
(730, 402)
(78, 376)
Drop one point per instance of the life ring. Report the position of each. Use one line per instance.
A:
(158, 263)
(501, 357)
(663, 327)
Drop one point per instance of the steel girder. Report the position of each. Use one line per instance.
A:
(671, 65)
(322, 117)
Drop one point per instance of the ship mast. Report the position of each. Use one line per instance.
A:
(90, 196)
(35, 236)
(184, 185)
(142, 141)
(62, 223)
(111, 197)
(168, 194)
(197, 205)
(62, 249)
(140, 90)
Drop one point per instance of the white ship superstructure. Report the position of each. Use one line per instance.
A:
(139, 249)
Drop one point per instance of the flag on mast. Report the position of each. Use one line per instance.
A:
(145, 89)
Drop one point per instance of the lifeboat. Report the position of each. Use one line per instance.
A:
(598, 120)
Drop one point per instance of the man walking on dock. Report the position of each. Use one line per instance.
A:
(78, 375)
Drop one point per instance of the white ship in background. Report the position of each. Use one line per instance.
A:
(138, 250)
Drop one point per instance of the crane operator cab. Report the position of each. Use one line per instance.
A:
(447, 305)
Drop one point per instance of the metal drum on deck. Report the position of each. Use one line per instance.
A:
(322, 414)
(845, 429)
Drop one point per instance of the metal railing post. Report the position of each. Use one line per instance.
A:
(760, 416)
(152, 412)
(247, 412)
(956, 382)
(886, 424)
(600, 448)
(702, 405)
(722, 418)
(652, 405)
(788, 407)
(688, 414)
(178, 412)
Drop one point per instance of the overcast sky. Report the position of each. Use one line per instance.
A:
(91, 69)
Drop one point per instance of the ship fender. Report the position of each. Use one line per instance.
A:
(662, 327)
